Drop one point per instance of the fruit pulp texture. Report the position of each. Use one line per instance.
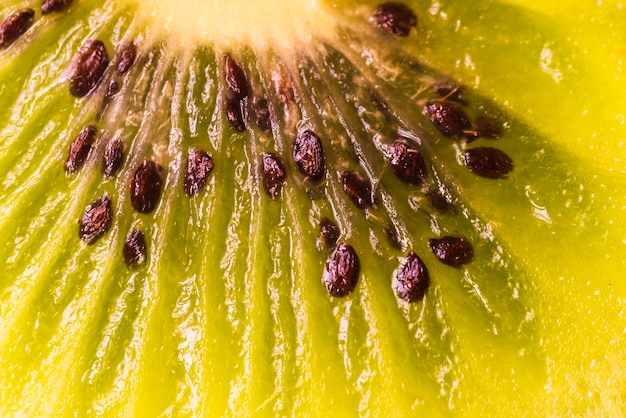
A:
(240, 326)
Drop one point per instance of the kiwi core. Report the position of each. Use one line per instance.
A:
(280, 23)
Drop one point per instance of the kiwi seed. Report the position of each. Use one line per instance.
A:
(330, 232)
(127, 58)
(488, 162)
(15, 26)
(145, 187)
(406, 161)
(113, 158)
(235, 78)
(88, 67)
(395, 18)
(411, 280)
(448, 118)
(308, 155)
(342, 271)
(358, 189)
(453, 251)
(50, 6)
(79, 149)
(134, 248)
(199, 166)
(234, 115)
(96, 220)
(274, 174)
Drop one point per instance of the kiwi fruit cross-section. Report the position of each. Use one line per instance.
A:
(302, 208)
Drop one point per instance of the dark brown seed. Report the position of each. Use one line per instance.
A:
(449, 118)
(411, 280)
(134, 248)
(79, 149)
(488, 162)
(96, 220)
(113, 88)
(262, 115)
(274, 174)
(439, 202)
(199, 166)
(113, 158)
(488, 128)
(88, 68)
(127, 58)
(145, 187)
(453, 251)
(342, 271)
(235, 78)
(308, 155)
(406, 162)
(15, 26)
(234, 115)
(358, 189)
(396, 18)
(330, 232)
(50, 6)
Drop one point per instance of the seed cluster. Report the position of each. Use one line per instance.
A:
(245, 108)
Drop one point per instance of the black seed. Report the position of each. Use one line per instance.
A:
(145, 187)
(15, 26)
(199, 166)
(395, 18)
(449, 118)
(358, 189)
(488, 128)
(411, 280)
(127, 58)
(342, 271)
(235, 78)
(88, 68)
(308, 155)
(50, 6)
(439, 202)
(113, 158)
(330, 232)
(273, 174)
(262, 115)
(234, 115)
(134, 248)
(407, 162)
(96, 220)
(453, 251)
(79, 149)
(488, 162)
(113, 88)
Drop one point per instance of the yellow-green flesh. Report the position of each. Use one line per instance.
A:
(229, 316)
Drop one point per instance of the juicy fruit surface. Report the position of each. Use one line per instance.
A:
(227, 313)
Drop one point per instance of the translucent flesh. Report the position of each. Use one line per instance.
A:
(229, 316)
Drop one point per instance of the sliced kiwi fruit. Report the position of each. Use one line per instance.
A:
(311, 208)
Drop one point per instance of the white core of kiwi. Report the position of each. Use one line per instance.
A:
(279, 23)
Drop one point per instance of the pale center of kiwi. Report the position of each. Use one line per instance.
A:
(260, 24)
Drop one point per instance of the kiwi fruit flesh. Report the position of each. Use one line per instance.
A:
(256, 209)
